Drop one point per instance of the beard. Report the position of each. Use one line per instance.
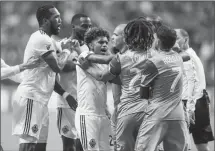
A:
(78, 33)
(54, 30)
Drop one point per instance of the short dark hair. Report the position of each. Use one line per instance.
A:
(167, 36)
(139, 34)
(95, 32)
(43, 12)
(77, 17)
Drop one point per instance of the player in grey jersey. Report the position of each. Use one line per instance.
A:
(161, 85)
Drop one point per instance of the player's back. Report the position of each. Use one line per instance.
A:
(165, 102)
(130, 101)
(38, 83)
(91, 94)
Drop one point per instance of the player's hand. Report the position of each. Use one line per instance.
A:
(191, 116)
(108, 114)
(72, 102)
(76, 46)
(84, 63)
(32, 63)
(66, 44)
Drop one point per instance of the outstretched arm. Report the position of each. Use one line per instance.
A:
(57, 63)
(11, 72)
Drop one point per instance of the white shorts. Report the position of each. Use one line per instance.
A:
(30, 118)
(94, 132)
(66, 122)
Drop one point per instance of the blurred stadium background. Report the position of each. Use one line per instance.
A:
(18, 21)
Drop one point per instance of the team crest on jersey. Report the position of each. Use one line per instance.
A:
(34, 128)
(48, 47)
(92, 143)
(65, 129)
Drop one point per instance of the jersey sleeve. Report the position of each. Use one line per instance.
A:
(42, 45)
(115, 66)
(149, 72)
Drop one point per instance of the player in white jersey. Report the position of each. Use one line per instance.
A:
(91, 121)
(30, 111)
(197, 102)
(68, 80)
(118, 46)
(130, 110)
(13, 72)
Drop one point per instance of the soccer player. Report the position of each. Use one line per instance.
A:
(161, 85)
(30, 111)
(80, 24)
(68, 80)
(130, 111)
(118, 46)
(91, 121)
(11, 72)
(198, 102)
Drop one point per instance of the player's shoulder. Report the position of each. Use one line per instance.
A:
(125, 57)
(40, 37)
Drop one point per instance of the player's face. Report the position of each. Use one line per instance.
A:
(117, 38)
(180, 41)
(85, 23)
(55, 21)
(100, 45)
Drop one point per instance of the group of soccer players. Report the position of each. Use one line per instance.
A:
(155, 80)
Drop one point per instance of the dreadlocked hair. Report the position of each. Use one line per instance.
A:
(139, 34)
(95, 32)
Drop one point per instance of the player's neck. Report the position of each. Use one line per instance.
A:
(124, 49)
(47, 31)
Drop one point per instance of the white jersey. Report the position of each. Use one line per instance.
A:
(191, 88)
(10, 72)
(189, 80)
(199, 70)
(38, 83)
(92, 94)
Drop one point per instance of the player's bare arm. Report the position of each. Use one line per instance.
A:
(57, 63)
(101, 59)
(111, 74)
(69, 98)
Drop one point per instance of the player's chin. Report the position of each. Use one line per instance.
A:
(56, 32)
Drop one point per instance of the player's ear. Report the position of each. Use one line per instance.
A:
(45, 21)
(90, 46)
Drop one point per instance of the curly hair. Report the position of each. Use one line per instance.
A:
(139, 34)
(94, 33)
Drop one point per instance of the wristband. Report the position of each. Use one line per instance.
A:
(65, 94)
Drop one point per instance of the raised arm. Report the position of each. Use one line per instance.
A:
(57, 63)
